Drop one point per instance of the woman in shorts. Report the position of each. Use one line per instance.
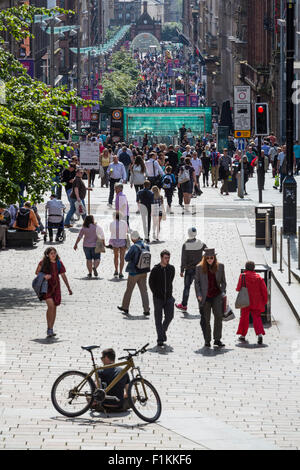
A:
(91, 232)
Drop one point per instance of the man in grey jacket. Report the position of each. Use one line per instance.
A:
(191, 255)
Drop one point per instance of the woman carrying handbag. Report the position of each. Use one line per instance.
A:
(210, 286)
(257, 293)
(91, 233)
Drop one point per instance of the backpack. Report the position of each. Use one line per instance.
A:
(22, 218)
(184, 175)
(167, 182)
(144, 261)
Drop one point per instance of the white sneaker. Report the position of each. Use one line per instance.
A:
(109, 205)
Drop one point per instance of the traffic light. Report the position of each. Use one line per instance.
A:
(65, 113)
(262, 119)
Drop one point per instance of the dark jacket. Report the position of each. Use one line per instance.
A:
(133, 256)
(161, 281)
(124, 158)
(191, 254)
(145, 197)
(201, 282)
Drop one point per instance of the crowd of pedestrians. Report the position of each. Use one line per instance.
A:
(163, 77)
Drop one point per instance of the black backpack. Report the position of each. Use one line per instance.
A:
(23, 218)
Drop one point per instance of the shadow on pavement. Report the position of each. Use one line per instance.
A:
(87, 279)
(209, 352)
(187, 316)
(47, 340)
(251, 346)
(161, 350)
(101, 418)
(135, 317)
(13, 298)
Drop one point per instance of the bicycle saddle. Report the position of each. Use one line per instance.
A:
(89, 348)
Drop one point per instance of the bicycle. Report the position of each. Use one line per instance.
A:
(143, 397)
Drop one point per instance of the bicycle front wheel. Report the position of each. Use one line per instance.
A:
(144, 400)
(71, 395)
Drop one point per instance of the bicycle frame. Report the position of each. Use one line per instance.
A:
(128, 365)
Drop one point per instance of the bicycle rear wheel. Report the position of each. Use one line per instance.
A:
(68, 398)
(144, 400)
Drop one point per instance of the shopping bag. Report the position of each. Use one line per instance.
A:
(242, 300)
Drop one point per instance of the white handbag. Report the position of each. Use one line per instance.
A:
(80, 209)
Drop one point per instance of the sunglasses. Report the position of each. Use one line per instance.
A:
(210, 257)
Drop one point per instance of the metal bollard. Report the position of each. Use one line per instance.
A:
(267, 231)
(274, 244)
(289, 260)
(298, 247)
(281, 241)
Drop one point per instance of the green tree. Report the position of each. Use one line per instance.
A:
(123, 62)
(169, 31)
(31, 121)
(119, 85)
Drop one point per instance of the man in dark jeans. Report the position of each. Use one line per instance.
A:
(145, 199)
(191, 255)
(161, 284)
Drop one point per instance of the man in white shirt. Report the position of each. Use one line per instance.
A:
(125, 150)
(55, 211)
(187, 151)
(116, 172)
(153, 170)
(197, 165)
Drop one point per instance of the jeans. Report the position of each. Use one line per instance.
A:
(112, 183)
(169, 196)
(68, 193)
(189, 277)
(180, 196)
(73, 210)
(56, 188)
(160, 306)
(297, 166)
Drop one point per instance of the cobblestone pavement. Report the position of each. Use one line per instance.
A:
(254, 389)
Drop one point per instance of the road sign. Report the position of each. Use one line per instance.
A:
(89, 155)
(242, 94)
(242, 134)
(242, 116)
(241, 144)
(242, 110)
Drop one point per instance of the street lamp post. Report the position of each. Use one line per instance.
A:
(289, 184)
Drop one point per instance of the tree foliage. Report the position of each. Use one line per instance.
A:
(31, 121)
(119, 85)
(169, 31)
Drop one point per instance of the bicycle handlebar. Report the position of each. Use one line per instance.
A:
(140, 351)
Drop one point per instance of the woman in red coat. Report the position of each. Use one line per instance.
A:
(258, 296)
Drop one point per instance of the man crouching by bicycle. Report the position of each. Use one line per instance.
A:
(119, 390)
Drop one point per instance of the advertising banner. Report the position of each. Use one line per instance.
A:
(89, 155)
(180, 100)
(28, 64)
(193, 98)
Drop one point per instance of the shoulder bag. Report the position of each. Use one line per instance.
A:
(242, 300)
